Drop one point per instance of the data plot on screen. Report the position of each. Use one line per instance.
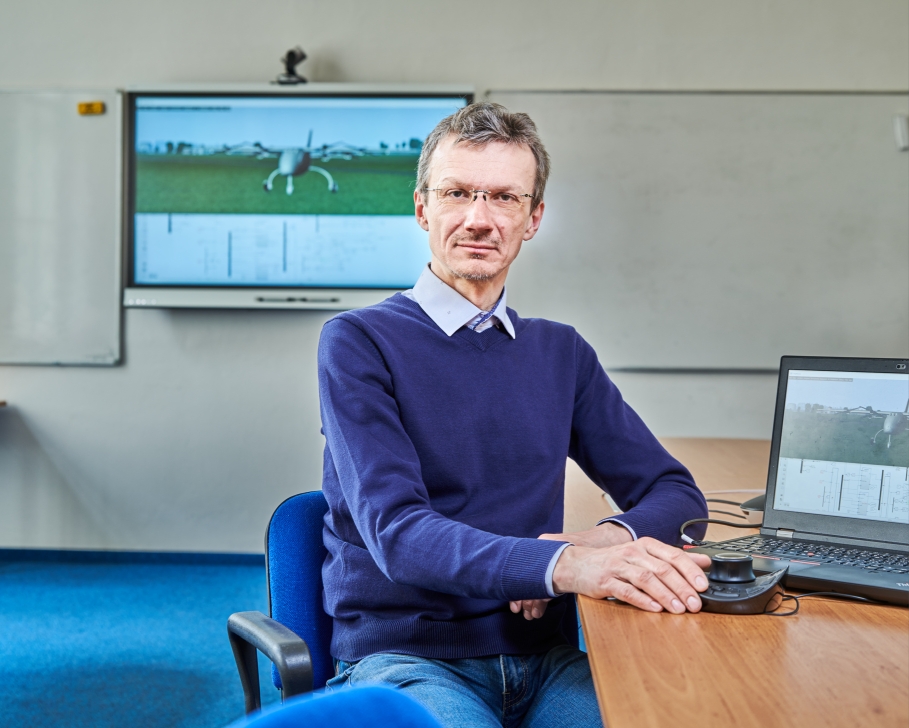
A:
(279, 250)
(852, 490)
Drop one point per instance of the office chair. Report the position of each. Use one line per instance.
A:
(296, 636)
(372, 705)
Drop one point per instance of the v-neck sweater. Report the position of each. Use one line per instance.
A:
(445, 460)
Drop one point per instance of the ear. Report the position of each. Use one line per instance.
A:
(419, 208)
(533, 222)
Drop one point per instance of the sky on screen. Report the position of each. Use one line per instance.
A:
(282, 123)
(883, 394)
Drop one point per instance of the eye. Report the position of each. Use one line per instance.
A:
(507, 198)
(457, 193)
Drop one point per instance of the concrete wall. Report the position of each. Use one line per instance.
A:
(213, 418)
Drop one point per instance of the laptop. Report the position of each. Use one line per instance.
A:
(837, 502)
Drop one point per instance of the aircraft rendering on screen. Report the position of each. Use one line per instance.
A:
(297, 161)
(894, 422)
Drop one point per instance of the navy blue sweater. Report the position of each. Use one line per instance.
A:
(445, 460)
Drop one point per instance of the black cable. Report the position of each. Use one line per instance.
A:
(797, 597)
(854, 597)
(688, 539)
(728, 513)
(728, 503)
(786, 597)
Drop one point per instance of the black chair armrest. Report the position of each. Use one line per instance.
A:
(251, 631)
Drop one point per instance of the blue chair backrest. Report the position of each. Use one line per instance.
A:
(294, 553)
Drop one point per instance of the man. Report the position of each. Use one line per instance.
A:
(448, 419)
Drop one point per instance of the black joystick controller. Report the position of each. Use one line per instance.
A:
(731, 568)
(734, 589)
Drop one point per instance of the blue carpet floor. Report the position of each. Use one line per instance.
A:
(122, 644)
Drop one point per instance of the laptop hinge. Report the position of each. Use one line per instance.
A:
(784, 533)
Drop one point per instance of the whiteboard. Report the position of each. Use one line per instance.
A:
(59, 229)
(720, 231)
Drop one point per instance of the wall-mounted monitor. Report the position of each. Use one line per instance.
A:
(275, 197)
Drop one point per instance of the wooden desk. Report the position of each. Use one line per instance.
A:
(833, 664)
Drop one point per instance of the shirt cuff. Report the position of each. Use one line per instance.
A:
(614, 519)
(551, 568)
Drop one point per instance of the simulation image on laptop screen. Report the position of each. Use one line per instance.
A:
(844, 449)
(279, 191)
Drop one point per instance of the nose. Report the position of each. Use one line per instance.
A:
(478, 216)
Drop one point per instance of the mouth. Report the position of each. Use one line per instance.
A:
(474, 248)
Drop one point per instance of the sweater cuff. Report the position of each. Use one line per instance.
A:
(550, 570)
(524, 575)
(645, 524)
(616, 519)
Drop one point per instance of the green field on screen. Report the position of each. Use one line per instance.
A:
(840, 437)
(223, 184)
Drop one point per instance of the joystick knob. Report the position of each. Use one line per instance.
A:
(731, 568)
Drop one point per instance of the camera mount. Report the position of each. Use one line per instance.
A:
(293, 58)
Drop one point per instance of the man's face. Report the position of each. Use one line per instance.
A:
(478, 241)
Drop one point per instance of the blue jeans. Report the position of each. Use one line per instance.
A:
(510, 691)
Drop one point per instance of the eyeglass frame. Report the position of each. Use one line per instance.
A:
(475, 193)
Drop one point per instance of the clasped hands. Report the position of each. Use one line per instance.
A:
(605, 562)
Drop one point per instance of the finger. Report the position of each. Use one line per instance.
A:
(522, 605)
(684, 594)
(677, 571)
(534, 608)
(629, 594)
(681, 561)
(648, 578)
(660, 576)
(702, 560)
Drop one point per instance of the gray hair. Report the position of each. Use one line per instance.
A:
(478, 125)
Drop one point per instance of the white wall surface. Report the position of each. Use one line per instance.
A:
(213, 418)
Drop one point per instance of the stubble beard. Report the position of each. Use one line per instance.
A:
(468, 275)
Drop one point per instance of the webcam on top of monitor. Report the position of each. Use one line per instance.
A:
(293, 58)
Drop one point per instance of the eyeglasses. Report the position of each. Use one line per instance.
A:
(460, 197)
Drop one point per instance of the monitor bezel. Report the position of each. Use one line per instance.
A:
(810, 523)
(254, 295)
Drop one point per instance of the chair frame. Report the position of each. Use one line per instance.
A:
(250, 632)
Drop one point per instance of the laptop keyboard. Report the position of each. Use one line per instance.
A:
(820, 553)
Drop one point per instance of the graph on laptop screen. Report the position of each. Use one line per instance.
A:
(844, 449)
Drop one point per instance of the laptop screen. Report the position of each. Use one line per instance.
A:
(844, 446)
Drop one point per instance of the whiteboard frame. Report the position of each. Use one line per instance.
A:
(112, 353)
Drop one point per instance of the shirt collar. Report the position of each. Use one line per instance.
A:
(448, 308)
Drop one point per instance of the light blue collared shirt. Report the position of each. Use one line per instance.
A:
(450, 311)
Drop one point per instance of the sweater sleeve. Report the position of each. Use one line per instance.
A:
(617, 451)
(379, 474)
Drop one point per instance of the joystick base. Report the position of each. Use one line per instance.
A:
(762, 595)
